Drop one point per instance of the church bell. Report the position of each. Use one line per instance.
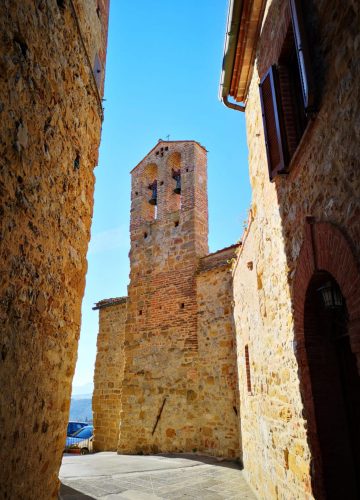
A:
(177, 177)
(153, 187)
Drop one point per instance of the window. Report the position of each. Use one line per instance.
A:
(247, 364)
(97, 71)
(287, 95)
(84, 433)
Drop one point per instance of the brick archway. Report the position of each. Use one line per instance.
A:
(325, 248)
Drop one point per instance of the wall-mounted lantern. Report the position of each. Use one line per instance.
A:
(331, 296)
(177, 176)
(153, 187)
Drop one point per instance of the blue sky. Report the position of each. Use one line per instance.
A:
(162, 77)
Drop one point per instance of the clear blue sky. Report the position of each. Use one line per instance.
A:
(162, 77)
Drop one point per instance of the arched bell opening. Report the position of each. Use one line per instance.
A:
(174, 184)
(150, 192)
(335, 390)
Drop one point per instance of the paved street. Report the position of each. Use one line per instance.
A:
(109, 476)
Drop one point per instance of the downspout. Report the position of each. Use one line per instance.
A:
(232, 105)
(231, 38)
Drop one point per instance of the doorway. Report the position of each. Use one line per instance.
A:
(335, 386)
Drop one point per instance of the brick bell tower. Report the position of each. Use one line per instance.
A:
(169, 233)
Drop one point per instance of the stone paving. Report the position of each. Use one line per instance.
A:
(109, 476)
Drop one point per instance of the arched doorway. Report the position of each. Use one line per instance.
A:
(335, 388)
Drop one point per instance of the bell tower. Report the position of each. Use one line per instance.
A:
(169, 234)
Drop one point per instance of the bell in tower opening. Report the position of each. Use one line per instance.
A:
(153, 187)
(177, 176)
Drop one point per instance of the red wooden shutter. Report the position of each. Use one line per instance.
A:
(275, 139)
(302, 49)
(288, 109)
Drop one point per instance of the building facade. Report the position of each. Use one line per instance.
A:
(293, 67)
(52, 60)
(177, 367)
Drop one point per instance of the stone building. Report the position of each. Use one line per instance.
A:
(52, 59)
(165, 374)
(294, 68)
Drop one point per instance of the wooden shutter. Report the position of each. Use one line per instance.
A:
(302, 50)
(275, 139)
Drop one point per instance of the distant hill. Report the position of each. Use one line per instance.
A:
(81, 409)
(81, 396)
(82, 389)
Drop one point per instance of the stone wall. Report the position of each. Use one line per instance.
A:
(219, 416)
(179, 388)
(275, 451)
(50, 127)
(323, 183)
(109, 372)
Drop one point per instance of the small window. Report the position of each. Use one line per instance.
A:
(247, 364)
(97, 71)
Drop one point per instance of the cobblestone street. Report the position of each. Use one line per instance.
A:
(111, 476)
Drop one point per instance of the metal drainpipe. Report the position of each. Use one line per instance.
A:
(232, 105)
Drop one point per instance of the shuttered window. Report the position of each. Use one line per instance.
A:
(287, 94)
(275, 139)
(302, 48)
(247, 366)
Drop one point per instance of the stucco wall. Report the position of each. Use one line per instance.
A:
(50, 131)
(323, 183)
(108, 375)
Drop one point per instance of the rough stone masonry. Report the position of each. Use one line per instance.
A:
(52, 62)
(165, 377)
(272, 274)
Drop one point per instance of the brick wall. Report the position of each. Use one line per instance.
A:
(161, 343)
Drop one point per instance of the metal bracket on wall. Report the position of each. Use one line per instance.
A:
(158, 417)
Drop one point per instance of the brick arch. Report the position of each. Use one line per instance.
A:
(149, 175)
(325, 248)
